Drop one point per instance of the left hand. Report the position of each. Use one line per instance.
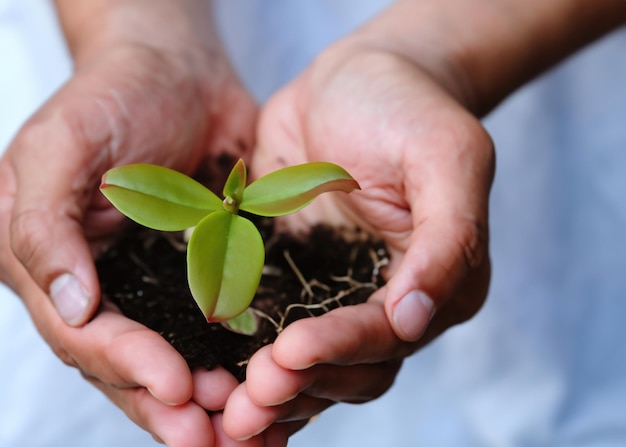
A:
(171, 99)
(425, 165)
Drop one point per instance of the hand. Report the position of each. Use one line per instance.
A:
(391, 104)
(130, 104)
(127, 102)
(425, 165)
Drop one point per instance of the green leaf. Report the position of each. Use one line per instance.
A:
(246, 323)
(234, 186)
(225, 257)
(290, 189)
(158, 197)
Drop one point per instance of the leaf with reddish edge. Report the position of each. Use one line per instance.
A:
(246, 323)
(225, 258)
(290, 189)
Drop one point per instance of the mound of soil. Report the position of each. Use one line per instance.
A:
(144, 274)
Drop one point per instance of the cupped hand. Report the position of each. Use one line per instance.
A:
(130, 103)
(425, 165)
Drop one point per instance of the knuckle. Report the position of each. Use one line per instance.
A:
(55, 127)
(115, 349)
(55, 335)
(472, 242)
(64, 355)
(33, 134)
(26, 235)
(380, 378)
(469, 271)
(388, 370)
(62, 127)
(474, 247)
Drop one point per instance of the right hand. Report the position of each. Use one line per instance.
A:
(425, 165)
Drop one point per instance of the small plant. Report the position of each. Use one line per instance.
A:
(225, 254)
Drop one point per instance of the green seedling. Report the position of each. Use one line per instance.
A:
(225, 253)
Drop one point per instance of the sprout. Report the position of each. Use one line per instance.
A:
(225, 254)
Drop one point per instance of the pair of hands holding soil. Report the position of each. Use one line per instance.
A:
(424, 163)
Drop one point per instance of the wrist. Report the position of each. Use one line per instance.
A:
(482, 50)
(178, 36)
(99, 25)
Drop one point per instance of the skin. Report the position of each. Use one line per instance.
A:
(136, 95)
(396, 103)
(401, 115)
(436, 232)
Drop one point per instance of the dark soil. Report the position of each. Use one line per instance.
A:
(144, 274)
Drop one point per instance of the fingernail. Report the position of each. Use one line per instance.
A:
(412, 315)
(70, 298)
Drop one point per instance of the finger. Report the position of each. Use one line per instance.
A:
(268, 384)
(72, 345)
(212, 388)
(124, 353)
(258, 418)
(345, 336)
(113, 348)
(186, 425)
(276, 435)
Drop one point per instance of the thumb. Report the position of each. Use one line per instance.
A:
(52, 248)
(447, 257)
(445, 271)
(46, 228)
